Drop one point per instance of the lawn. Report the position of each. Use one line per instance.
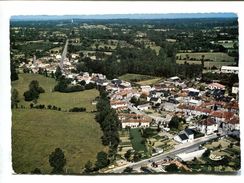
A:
(36, 133)
(63, 100)
(136, 140)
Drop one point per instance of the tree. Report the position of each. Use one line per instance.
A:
(36, 171)
(57, 161)
(58, 73)
(88, 167)
(14, 74)
(128, 170)
(206, 153)
(14, 98)
(102, 160)
(172, 168)
(34, 91)
(174, 122)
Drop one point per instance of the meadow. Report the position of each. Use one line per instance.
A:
(37, 132)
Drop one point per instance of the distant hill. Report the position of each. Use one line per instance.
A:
(124, 16)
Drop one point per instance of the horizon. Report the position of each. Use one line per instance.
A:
(124, 16)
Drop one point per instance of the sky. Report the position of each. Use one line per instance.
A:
(126, 16)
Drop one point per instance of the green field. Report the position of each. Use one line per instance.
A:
(139, 78)
(207, 64)
(63, 100)
(216, 57)
(136, 140)
(36, 133)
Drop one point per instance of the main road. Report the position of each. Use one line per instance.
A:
(187, 147)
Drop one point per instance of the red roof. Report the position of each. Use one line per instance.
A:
(222, 114)
(234, 120)
(207, 122)
(217, 85)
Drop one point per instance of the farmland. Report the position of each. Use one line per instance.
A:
(210, 59)
(36, 133)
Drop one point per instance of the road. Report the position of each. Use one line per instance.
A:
(187, 147)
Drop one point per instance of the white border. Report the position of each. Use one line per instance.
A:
(8, 9)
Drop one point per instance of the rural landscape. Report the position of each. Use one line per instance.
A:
(115, 95)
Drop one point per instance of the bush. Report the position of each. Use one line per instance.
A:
(78, 109)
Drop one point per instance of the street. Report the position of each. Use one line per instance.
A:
(187, 147)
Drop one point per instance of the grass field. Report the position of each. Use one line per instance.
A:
(216, 57)
(207, 64)
(36, 133)
(140, 79)
(136, 140)
(63, 100)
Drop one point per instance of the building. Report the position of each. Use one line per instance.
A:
(214, 86)
(144, 107)
(207, 126)
(191, 155)
(116, 104)
(185, 136)
(235, 88)
(230, 69)
(134, 120)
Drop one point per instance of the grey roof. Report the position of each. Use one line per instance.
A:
(189, 131)
(183, 136)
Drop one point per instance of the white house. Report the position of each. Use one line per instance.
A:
(115, 104)
(230, 69)
(185, 136)
(144, 107)
(235, 88)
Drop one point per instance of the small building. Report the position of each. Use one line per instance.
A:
(181, 138)
(235, 88)
(230, 69)
(144, 107)
(184, 136)
(218, 86)
(115, 104)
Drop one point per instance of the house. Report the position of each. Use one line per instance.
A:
(221, 116)
(207, 126)
(174, 79)
(116, 82)
(232, 124)
(230, 69)
(218, 86)
(181, 138)
(144, 107)
(102, 82)
(116, 104)
(155, 101)
(185, 136)
(134, 120)
(145, 89)
(189, 133)
(235, 88)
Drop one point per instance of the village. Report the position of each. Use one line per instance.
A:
(179, 113)
(176, 98)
